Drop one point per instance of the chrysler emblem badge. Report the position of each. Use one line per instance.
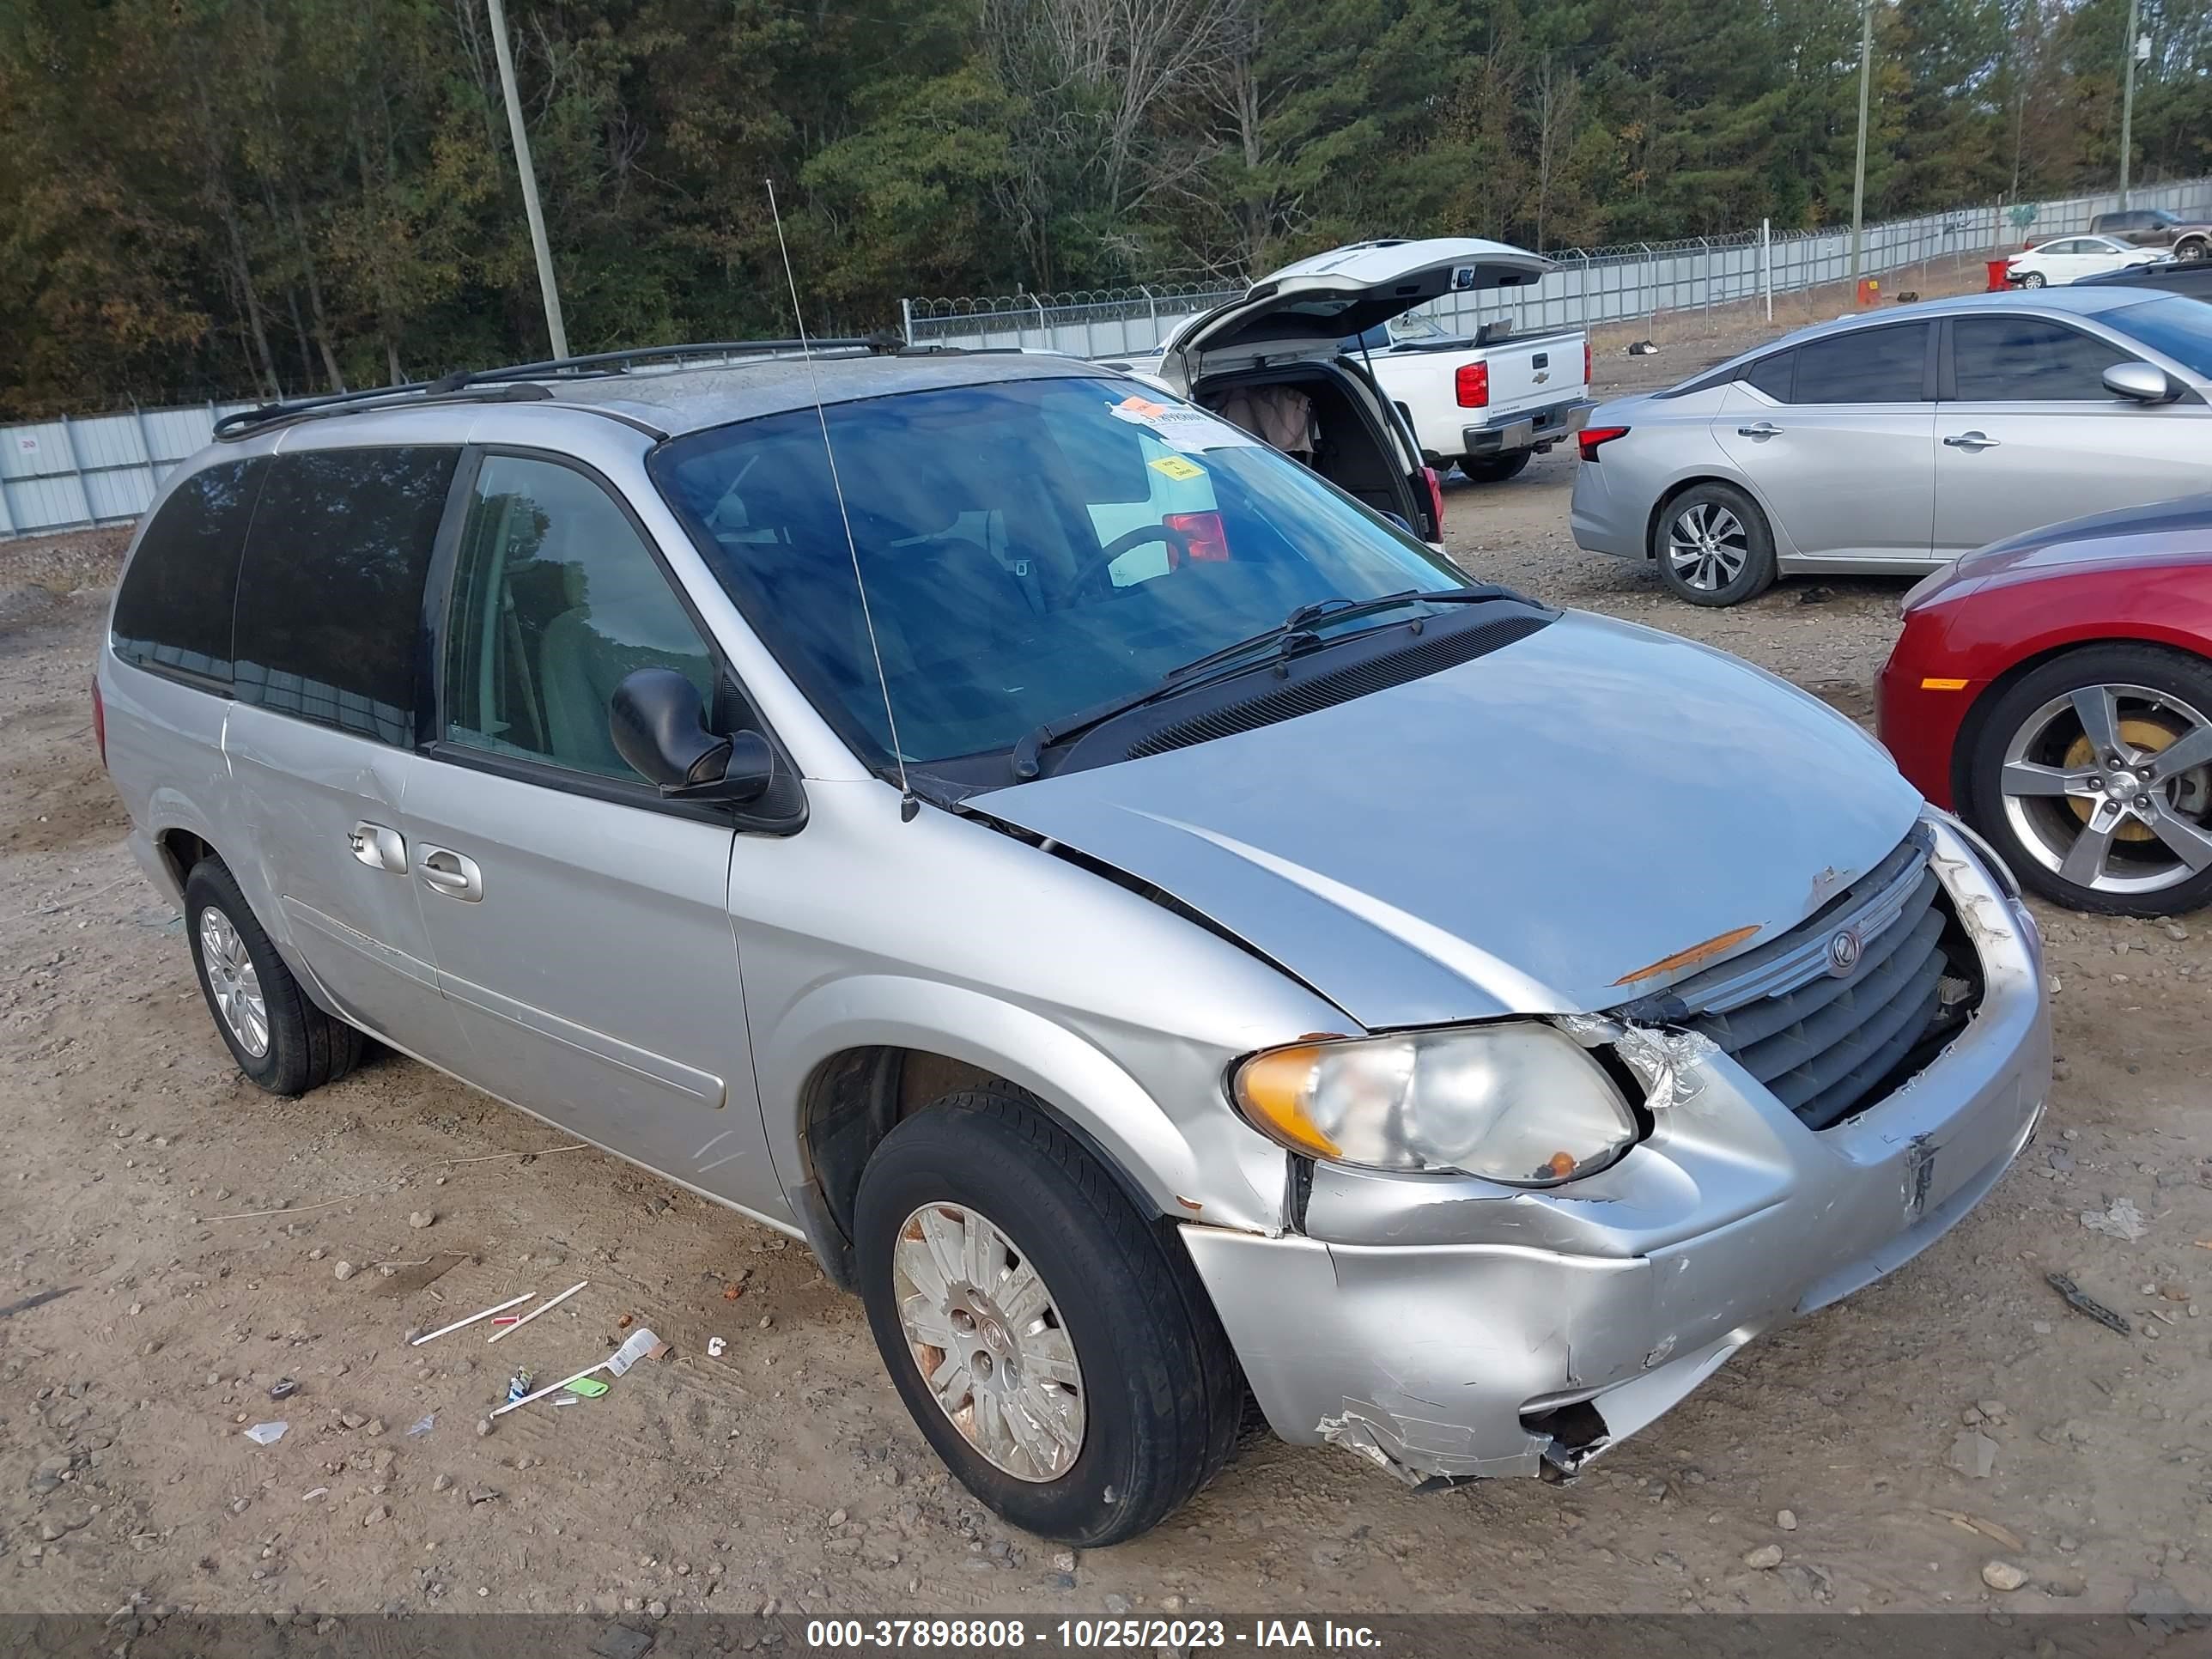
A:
(1845, 951)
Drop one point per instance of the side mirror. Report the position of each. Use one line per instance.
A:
(659, 723)
(2141, 383)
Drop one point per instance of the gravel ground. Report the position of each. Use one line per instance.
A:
(1879, 1456)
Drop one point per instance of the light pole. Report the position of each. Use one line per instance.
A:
(2128, 99)
(554, 328)
(1858, 168)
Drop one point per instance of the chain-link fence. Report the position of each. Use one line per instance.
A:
(1591, 286)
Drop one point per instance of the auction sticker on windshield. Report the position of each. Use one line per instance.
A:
(1177, 468)
(1179, 425)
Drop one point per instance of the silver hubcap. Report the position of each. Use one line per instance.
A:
(2111, 788)
(1707, 546)
(988, 1339)
(233, 982)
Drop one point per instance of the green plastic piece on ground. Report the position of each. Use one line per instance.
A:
(590, 1387)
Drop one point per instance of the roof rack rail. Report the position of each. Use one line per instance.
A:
(523, 381)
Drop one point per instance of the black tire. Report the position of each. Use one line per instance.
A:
(1161, 1389)
(1494, 469)
(1757, 571)
(2191, 251)
(306, 1048)
(2032, 279)
(2176, 675)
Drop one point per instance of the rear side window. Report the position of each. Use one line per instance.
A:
(1865, 366)
(174, 610)
(330, 594)
(1773, 375)
(2027, 359)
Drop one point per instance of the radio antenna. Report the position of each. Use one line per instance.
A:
(908, 802)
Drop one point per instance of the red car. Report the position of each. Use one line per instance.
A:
(2054, 691)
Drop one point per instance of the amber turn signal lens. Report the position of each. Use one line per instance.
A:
(1273, 1088)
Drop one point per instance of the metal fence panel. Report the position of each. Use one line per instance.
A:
(74, 473)
(1590, 287)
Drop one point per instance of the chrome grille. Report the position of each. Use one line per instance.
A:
(1821, 1042)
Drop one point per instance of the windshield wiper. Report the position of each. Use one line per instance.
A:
(1293, 629)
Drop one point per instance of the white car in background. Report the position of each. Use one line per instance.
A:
(2068, 258)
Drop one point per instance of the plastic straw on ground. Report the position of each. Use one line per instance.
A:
(541, 1308)
(513, 1301)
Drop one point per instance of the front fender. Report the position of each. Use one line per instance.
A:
(1072, 1074)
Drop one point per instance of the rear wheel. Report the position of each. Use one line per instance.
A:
(1494, 468)
(1713, 546)
(280, 1039)
(2093, 775)
(1054, 1345)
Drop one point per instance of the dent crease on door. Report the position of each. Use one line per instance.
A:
(703, 1086)
(375, 950)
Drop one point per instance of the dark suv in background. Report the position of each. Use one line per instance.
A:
(2190, 239)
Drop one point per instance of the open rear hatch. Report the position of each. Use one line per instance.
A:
(1312, 305)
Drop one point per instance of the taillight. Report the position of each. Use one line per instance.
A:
(1594, 438)
(1436, 502)
(1207, 536)
(99, 720)
(1586, 362)
(1472, 383)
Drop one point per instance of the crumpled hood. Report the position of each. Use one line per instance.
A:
(1523, 833)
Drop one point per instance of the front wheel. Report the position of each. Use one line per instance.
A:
(2092, 776)
(2032, 279)
(1054, 1346)
(1494, 468)
(1714, 547)
(2190, 252)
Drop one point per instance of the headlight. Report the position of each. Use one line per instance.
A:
(1516, 1102)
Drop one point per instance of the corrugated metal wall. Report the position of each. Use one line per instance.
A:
(71, 473)
(1604, 285)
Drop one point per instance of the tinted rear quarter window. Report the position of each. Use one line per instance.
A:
(1864, 365)
(1773, 374)
(330, 592)
(2029, 359)
(174, 610)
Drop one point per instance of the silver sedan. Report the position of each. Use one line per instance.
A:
(1891, 443)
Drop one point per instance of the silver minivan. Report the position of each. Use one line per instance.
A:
(1156, 947)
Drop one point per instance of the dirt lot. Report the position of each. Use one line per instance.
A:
(166, 1307)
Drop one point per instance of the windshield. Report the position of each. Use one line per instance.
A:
(1031, 548)
(2180, 328)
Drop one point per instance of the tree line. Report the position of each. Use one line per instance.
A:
(206, 197)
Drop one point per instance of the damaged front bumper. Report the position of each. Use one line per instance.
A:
(1449, 1329)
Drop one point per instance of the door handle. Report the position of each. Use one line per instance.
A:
(450, 873)
(378, 847)
(1971, 440)
(1759, 429)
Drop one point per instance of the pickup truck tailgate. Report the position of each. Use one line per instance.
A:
(1533, 374)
